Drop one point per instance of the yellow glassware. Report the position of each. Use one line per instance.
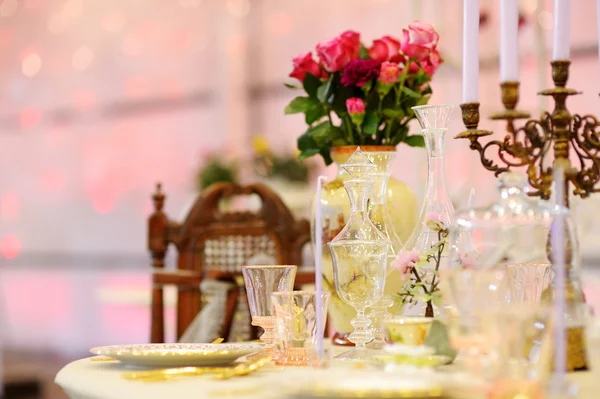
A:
(408, 330)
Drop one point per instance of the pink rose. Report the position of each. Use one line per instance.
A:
(385, 49)
(405, 261)
(336, 53)
(389, 73)
(304, 63)
(355, 105)
(351, 43)
(419, 40)
(432, 63)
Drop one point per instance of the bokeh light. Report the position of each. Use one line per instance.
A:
(30, 117)
(31, 65)
(82, 58)
(53, 180)
(113, 22)
(10, 246)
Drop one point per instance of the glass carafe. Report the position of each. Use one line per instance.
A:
(426, 250)
(379, 215)
(359, 254)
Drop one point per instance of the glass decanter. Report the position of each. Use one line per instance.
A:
(428, 242)
(359, 254)
(379, 215)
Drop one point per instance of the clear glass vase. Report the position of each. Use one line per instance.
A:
(429, 239)
(360, 255)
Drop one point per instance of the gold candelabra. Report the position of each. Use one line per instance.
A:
(531, 145)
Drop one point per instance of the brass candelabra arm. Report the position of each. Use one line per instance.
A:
(585, 141)
(530, 146)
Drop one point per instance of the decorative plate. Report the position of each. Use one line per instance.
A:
(369, 385)
(178, 355)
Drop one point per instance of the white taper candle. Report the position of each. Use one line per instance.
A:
(562, 30)
(470, 76)
(509, 42)
(318, 250)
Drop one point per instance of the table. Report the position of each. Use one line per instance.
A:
(86, 379)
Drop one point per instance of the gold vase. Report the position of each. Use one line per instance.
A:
(403, 209)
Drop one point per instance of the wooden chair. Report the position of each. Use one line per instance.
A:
(215, 244)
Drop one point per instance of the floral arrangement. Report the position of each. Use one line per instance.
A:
(422, 283)
(268, 164)
(363, 96)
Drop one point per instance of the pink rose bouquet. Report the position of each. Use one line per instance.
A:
(370, 90)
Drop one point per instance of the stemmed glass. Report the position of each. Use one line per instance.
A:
(360, 254)
(261, 282)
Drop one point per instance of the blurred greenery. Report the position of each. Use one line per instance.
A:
(215, 171)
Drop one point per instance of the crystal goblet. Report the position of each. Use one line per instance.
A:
(359, 269)
(527, 281)
(261, 282)
(296, 313)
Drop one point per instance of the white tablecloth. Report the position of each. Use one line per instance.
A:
(86, 379)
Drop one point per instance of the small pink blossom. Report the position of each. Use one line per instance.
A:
(405, 261)
(467, 261)
(355, 106)
(433, 216)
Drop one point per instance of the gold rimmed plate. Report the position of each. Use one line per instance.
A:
(177, 355)
(370, 386)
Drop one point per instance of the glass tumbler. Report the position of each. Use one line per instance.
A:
(296, 313)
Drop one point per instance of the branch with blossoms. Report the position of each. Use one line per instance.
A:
(356, 95)
(422, 280)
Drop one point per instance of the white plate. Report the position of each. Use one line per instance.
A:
(178, 355)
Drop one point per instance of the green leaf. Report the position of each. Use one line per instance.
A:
(364, 53)
(320, 133)
(393, 113)
(415, 140)
(307, 143)
(326, 156)
(439, 339)
(324, 90)
(311, 84)
(308, 153)
(411, 93)
(291, 86)
(371, 123)
(424, 100)
(314, 113)
(298, 105)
